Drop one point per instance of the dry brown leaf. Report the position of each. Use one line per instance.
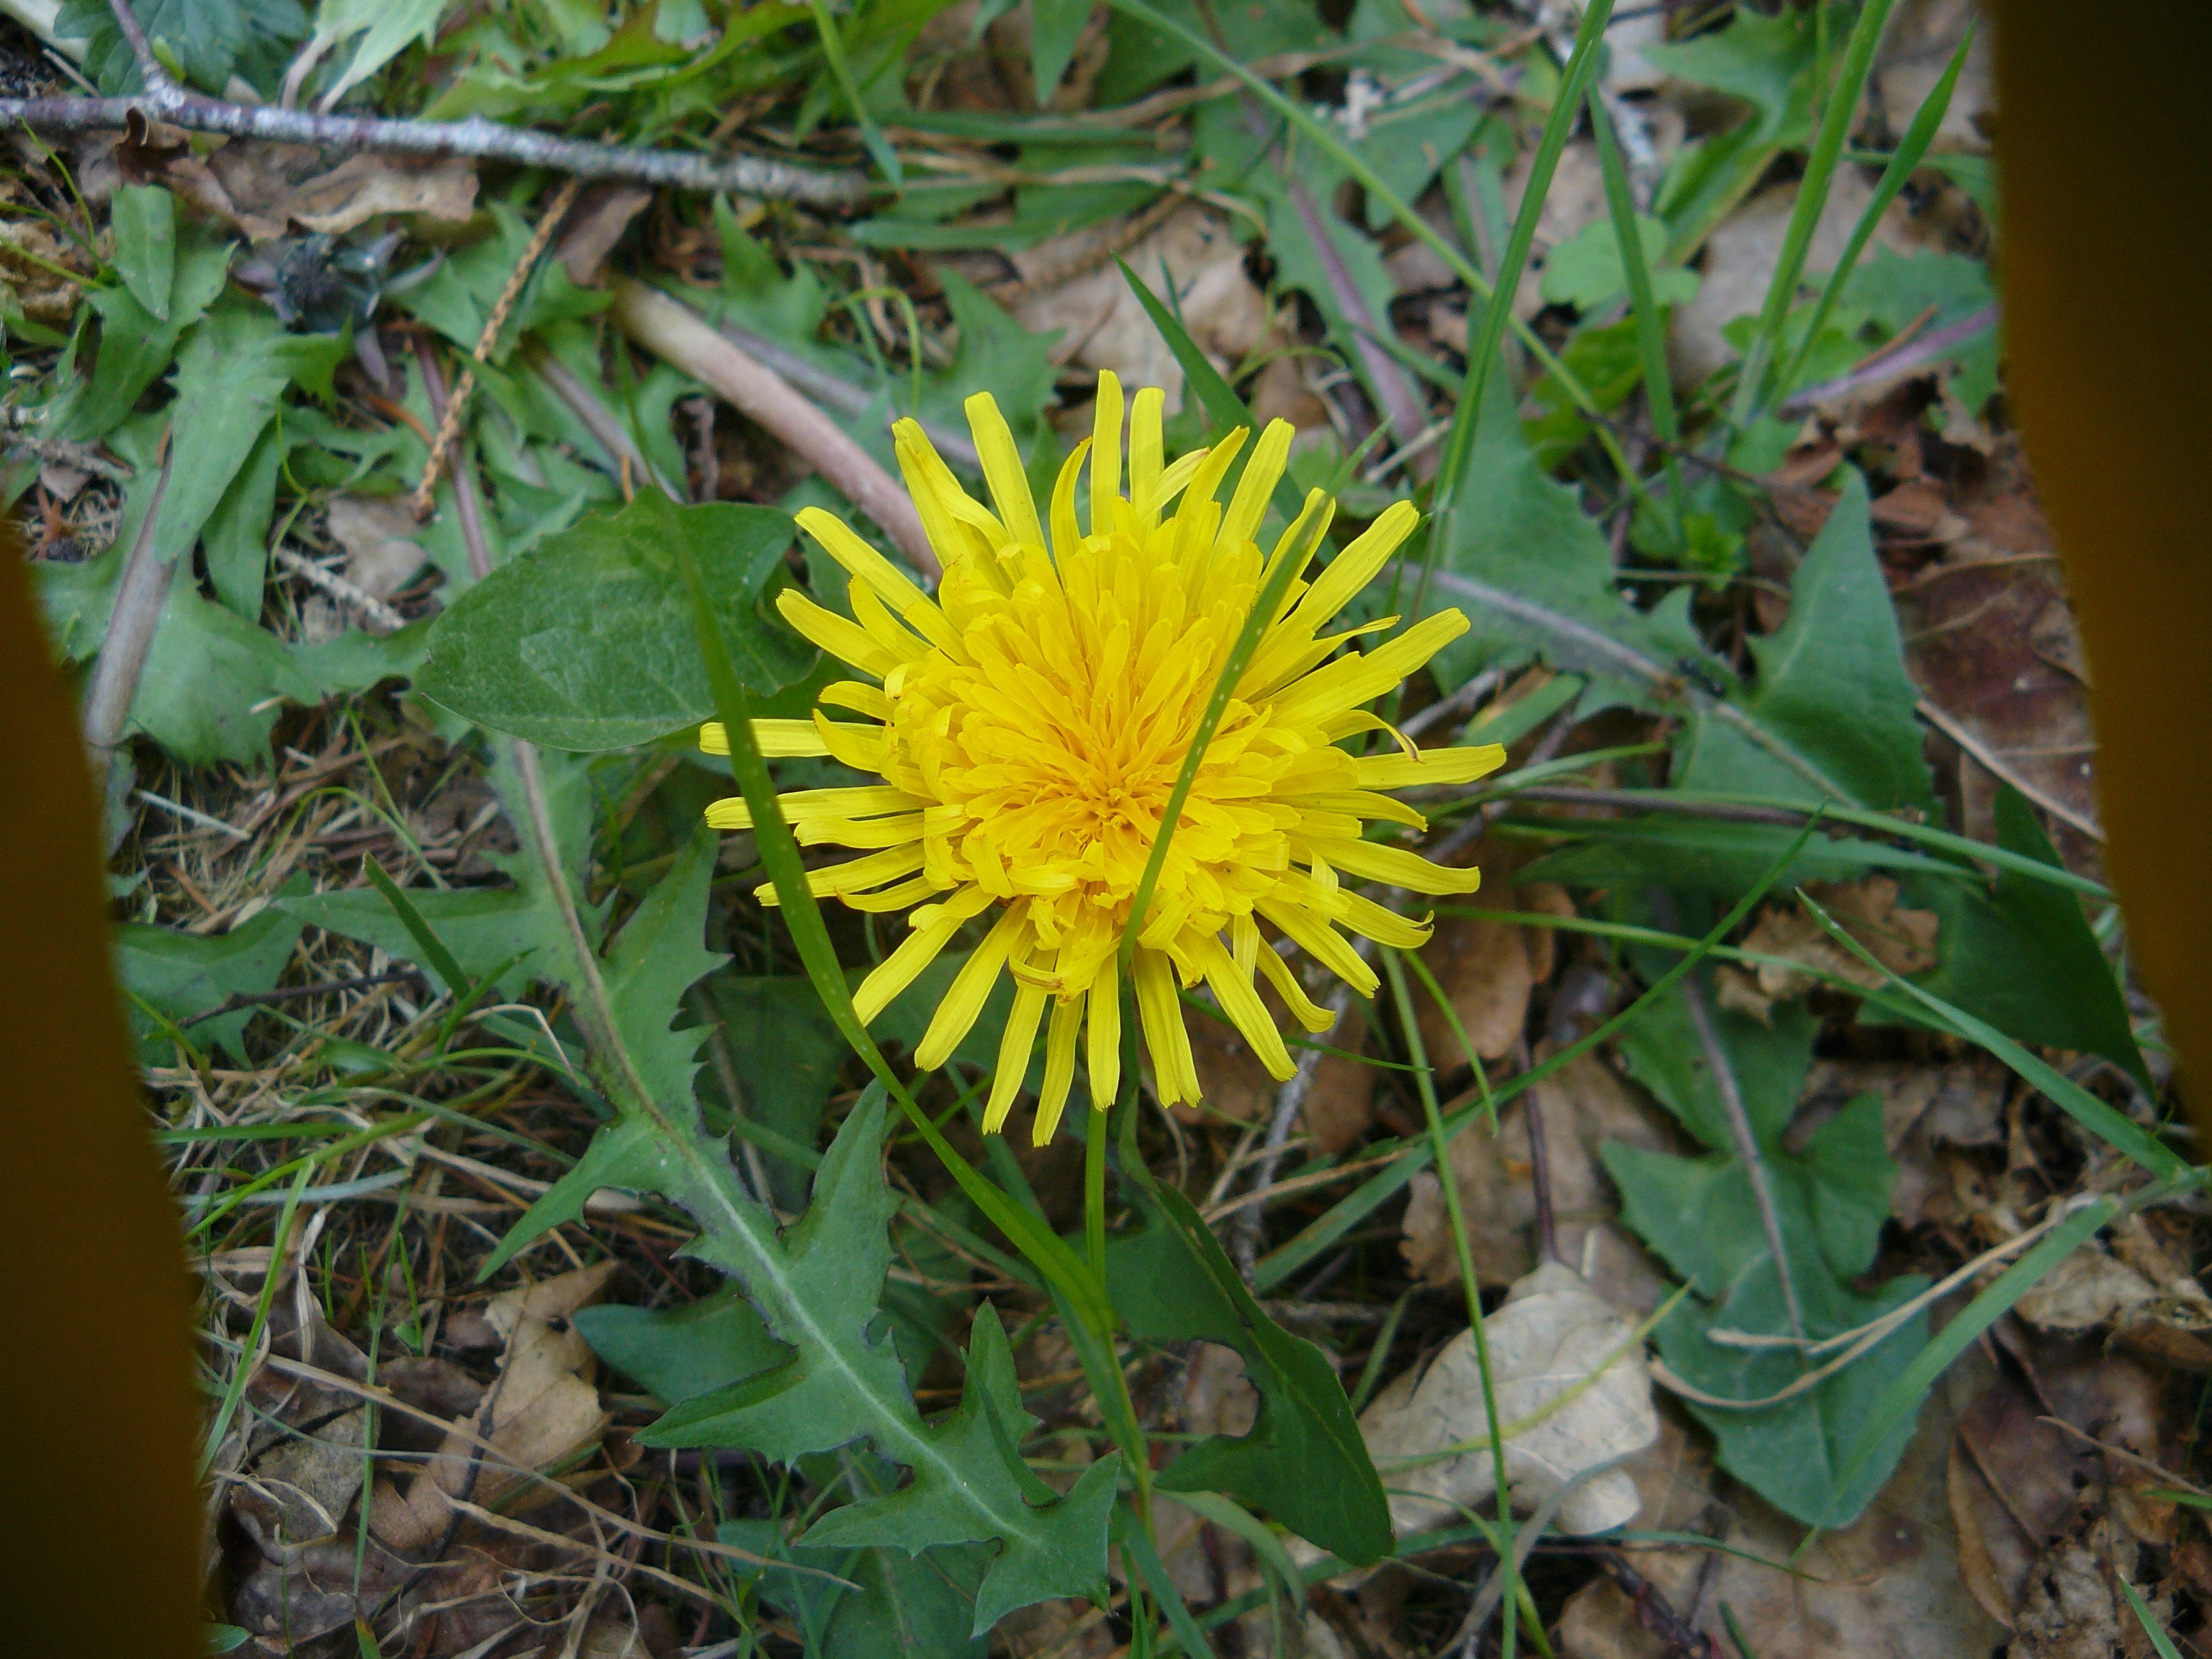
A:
(1673, 1478)
(542, 1407)
(1982, 643)
(364, 186)
(595, 225)
(26, 246)
(1887, 1584)
(378, 533)
(1552, 1334)
(1584, 1105)
(1104, 327)
(1902, 941)
(155, 153)
(1926, 1110)
(1740, 261)
(1487, 970)
(1233, 1082)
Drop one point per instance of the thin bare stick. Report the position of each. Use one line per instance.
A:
(841, 395)
(1739, 1122)
(449, 425)
(372, 610)
(1987, 760)
(610, 433)
(466, 505)
(140, 594)
(476, 137)
(673, 332)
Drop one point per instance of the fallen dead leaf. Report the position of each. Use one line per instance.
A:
(2073, 1608)
(1978, 636)
(1584, 1105)
(1233, 1082)
(2149, 1301)
(1887, 1584)
(155, 153)
(1741, 257)
(1487, 970)
(1903, 940)
(1927, 1111)
(362, 187)
(1551, 1335)
(26, 247)
(378, 533)
(595, 223)
(1104, 327)
(1673, 1478)
(542, 1407)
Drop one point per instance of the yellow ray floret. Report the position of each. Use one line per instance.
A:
(1029, 722)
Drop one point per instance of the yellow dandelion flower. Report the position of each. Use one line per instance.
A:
(1029, 723)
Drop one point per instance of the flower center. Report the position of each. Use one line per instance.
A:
(1052, 731)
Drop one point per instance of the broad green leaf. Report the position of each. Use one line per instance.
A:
(183, 975)
(212, 683)
(386, 29)
(210, 39)
(1586, 271)
(2019, 952)
(1303, 1461)
(1139, 59)
(237, 532)
(786, 1053)
(1900, 290)
(586, 642)
(817, 1287)
(1765, 62)
(1699, 1215)
(918, 1604)
(680, 1353)
(1062, 1552)
(1536, 579)
(658, 956)
(1830, 714)
(1704, 855)
(458, 299)
(1663, 1051)
(136, 346)
(1797, 1453)
(1702, 1216)
(235, 366)
(144, 220)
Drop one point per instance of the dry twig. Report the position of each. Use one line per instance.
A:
(673, 331)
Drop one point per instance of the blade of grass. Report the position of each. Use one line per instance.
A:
(1470, 1283)
(1146, 1560)
(2093, 1114)
(1904, 1394)
(1350, 1209)
(246, 1355)
(1651, 324)
(833, 53)
(1369, 180)
(2158, 1638)
(1857, 817)
(1914, 146)
(1805, 217)
(1497, 306)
